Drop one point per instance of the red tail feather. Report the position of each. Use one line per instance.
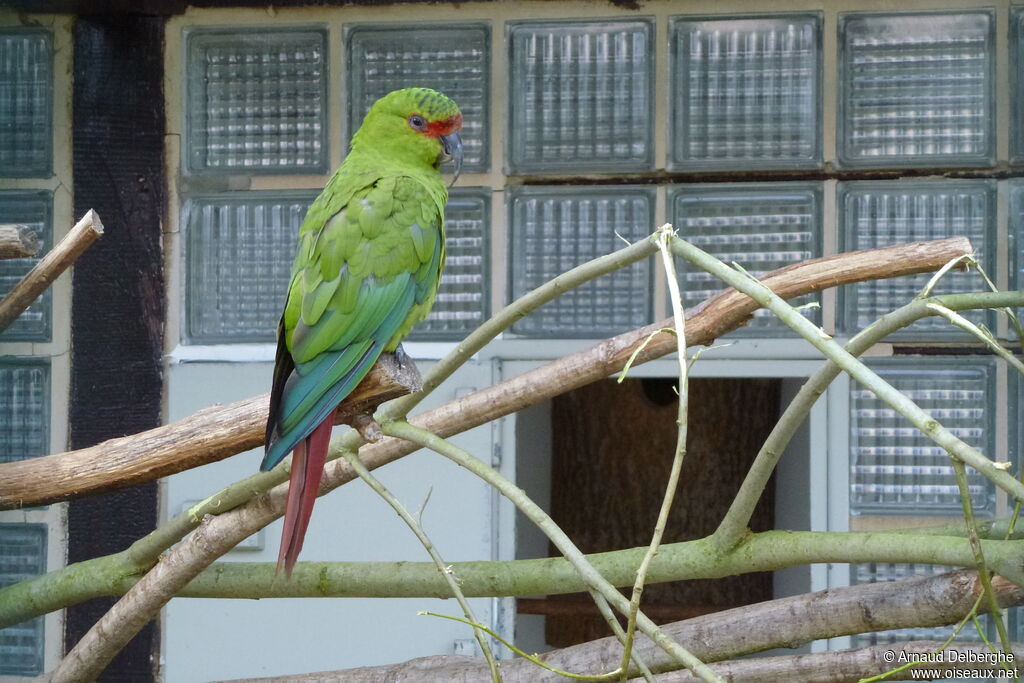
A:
(307, 469)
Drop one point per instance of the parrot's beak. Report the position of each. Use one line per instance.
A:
(451, 150)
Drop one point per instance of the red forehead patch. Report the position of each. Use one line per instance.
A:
(445, 127)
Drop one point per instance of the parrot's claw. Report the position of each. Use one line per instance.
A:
(402, 357)
(367, 428)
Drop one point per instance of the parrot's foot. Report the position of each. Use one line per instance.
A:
(367, 428)
(402, 357)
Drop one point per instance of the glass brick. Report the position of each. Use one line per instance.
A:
(463, 299)
(759, 226)
(556, 229)
(1016, 419)
(1017, 85)
(26, 102)
(916, 89)
(895, 468)
(34, 209)
(581, 96)
(22, 556)
(24, 408)
(452, 59)
(1016, 227)
(876, 572)
(240, 251)
(257, 101)
(884, 213)
(746, 92)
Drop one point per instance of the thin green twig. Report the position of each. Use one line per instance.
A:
(678, 318)
(590, 576)
(734, 524)
(952, 444)
(636, 352)
(610, 676)
(988, 593)
(444, 569)
(979, 332)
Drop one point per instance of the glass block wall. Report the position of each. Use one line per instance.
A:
(554, 230)
(22, 556)
(760, 227)
(894, 468)
(580, 95)
(746, 92)
(239, 257)
(24, 408)
(883, 213)
(257, 101)
(917, 89)
(455, 60)
(463, 298)
(26, 102)
(32, 208)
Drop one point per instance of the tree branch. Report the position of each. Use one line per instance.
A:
(930, 427)
(129, 614)
(724, 312)
(211, 434)
(590, 576)
(18, 241)
(852, 666)
(143, 601)
(786, 622)
(42, 275)
(843, 666)
(765, 551)
(734, 524)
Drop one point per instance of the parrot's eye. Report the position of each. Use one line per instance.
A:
(418, 122)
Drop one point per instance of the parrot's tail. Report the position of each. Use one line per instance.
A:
(307, 469)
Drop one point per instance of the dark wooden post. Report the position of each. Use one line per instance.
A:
(118, 292)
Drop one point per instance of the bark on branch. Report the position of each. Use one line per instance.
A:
(217, 433)
(17, 241)
(42, 275)
(211, 434)
(787, 622)
(851, 666)
(843, 666)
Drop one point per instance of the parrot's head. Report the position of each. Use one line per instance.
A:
(416, 125)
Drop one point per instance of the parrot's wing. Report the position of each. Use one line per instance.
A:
(361, 281)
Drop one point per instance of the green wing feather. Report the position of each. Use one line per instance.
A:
(367, 269)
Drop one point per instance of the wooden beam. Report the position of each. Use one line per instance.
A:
(207, 436)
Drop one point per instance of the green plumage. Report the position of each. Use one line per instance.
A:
(368, 263)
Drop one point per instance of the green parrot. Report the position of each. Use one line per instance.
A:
(369, 259)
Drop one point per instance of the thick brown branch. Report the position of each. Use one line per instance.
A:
(851, 666)
(786, 622)
(42, 275)
(157, 453)
(211, 434)
(18, 241)
(843, 666)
